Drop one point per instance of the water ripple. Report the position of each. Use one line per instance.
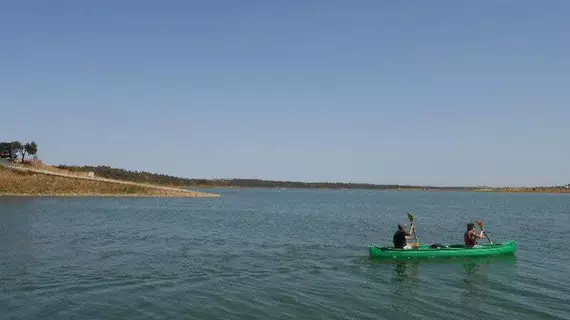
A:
(262, 254)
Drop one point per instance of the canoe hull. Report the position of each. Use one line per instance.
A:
(451, 251)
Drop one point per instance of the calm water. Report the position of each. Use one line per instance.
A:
(269, 254)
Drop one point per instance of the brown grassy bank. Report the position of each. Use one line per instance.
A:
(13, 182)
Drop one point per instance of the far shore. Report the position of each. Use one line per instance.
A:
(526, 190)
(38, 179)
(245, 183)
(483, 190)
(44, 181)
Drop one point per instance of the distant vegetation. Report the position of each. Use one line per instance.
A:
(554, 189)
(154, 178)
(13, 149)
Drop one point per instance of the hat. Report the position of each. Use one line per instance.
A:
(401, 226)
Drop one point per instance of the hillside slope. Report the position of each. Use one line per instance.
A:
(30, 181)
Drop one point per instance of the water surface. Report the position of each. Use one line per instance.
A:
(278, 254)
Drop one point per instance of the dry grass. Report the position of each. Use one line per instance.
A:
(38, 164)
(14, 182)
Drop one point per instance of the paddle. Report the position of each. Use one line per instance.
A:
(480, 224)
(412, 218)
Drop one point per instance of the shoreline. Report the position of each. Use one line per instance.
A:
(99, 195)
(238, 183)
(482, 190)
(43, 180)
(525, 191)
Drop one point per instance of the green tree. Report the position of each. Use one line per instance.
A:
(30, 148)
(15, 148)
(5, 147)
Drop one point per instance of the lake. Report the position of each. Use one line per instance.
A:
(278, 254)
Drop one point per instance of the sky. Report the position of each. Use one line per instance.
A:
(408, 92)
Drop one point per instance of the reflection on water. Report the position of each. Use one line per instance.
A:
(469, 281)
(405, 270)
(472, 267)
(405, 285)
(475, 285)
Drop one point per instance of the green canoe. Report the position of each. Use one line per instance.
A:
(444, 251)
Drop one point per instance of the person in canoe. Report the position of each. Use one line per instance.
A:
(470, 236)
(401, 237)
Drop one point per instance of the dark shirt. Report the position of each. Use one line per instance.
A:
(468, 240)
(400, 238)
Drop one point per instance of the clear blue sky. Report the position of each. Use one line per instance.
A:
(420, 92)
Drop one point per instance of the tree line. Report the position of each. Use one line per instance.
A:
(162, 179)
(136, 176)
(14, 148)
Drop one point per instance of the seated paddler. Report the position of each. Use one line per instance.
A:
(401, 237)
(470, 236)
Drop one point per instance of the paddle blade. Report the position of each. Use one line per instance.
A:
(480, 224)
(410, 217)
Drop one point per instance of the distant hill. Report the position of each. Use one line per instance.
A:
(162, 179)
